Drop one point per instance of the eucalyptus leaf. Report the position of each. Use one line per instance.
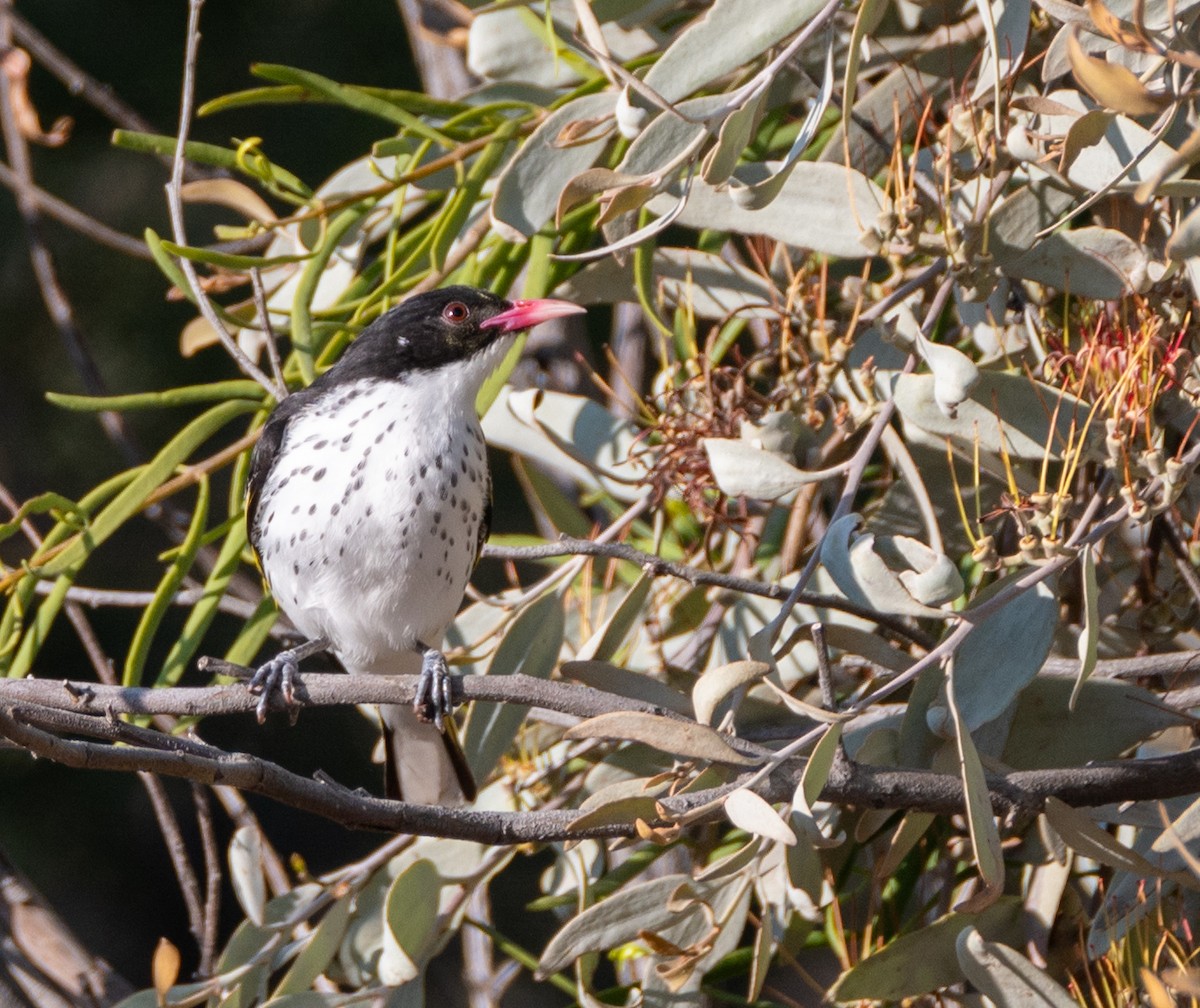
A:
(410, 913)
(530, 647)
(751, 812)
(715, 684)
(706, 284)
(684, 739)
(1123, 144)
(740, 469)
(868, 570)
(728, 34)
(822, 207)
(1005, 413)
(1091, 262)
(246, 872)
(568, 433)
(528, 190)
(923, 960)
(1005, 650)
(1046, 733)
(1007, 979)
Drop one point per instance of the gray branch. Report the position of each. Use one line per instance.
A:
(54, 720)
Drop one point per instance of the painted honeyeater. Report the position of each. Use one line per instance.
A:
(369, 500)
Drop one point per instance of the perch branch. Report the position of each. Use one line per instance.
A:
(36, 714)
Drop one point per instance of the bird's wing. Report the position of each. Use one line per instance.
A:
(262, 461)
(485, 523)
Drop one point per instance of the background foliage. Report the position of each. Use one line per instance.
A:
(876, 473)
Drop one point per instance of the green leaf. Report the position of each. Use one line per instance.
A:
(227, 260)
(238, 388)
(331, 238)
(150, 477)
(39, 629)
(528, 189)
(1004, 977)
(200, 618)
(1005, 651)
(206, 154)
(985, 835)
(410, 913)
(924, 960)
(530, 647)
(168, 585)
(729, 34)
(607, 640)
(41, 504)
(319, 949)
(357, 99)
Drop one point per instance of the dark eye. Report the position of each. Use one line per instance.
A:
(455, 311)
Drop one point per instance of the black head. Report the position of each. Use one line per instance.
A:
(439, 327)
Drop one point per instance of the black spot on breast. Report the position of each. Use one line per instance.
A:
(321, 444)
(420, 497)
(319, 475)
(312, 509)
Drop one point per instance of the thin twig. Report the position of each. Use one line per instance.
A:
(568, 546)
(175, 207)
(268, 330)
(74, 218)
(212, 878)
(58, 306)
(168, 825)
(35, 728)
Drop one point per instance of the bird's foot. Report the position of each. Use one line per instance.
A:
(280, 675)
(432, 702)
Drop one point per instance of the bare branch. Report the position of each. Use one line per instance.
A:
(36, 714)
(175, 206)
(567, 546)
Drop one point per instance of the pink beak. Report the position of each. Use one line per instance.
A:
(526, 314)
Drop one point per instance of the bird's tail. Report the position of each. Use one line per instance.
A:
(420, 763)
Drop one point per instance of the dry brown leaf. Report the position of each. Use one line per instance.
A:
(16, 64)
(1112, 85)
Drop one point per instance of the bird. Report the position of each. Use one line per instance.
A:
(368, 503)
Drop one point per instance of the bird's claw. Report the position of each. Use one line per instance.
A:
(432, 702)
(275, 676)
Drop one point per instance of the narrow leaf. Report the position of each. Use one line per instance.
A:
(670, 735)
(754, 814)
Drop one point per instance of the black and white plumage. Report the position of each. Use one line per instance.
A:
(368, 503)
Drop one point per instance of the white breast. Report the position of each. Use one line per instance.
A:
(371, 516)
